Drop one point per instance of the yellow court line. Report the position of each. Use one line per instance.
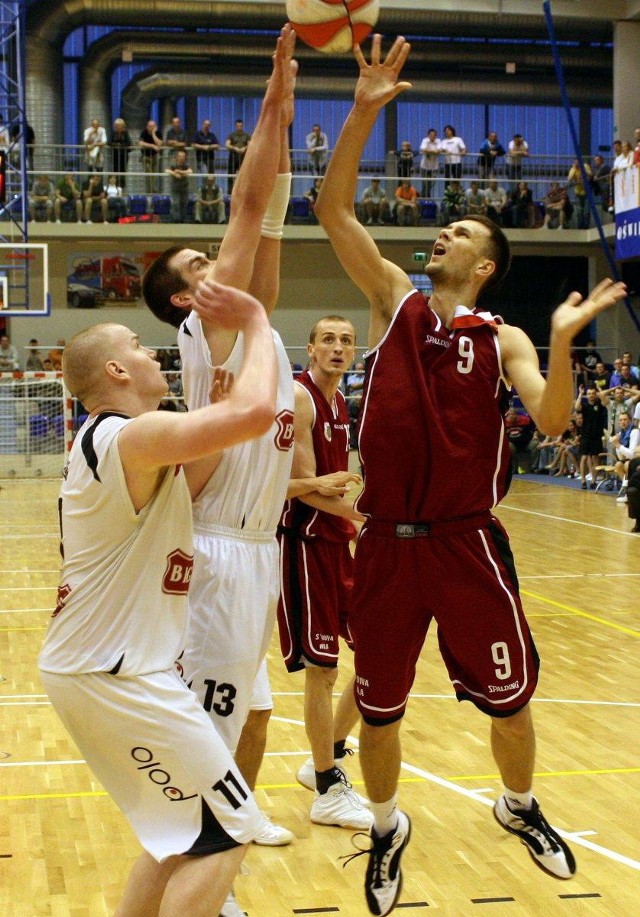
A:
(296, 785)
(54, 795)
(584, 773)
(580, 613)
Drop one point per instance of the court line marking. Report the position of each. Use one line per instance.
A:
(589, 525)
(576, 837)
(581, 614)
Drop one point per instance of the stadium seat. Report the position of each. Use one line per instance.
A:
(300, 209)
(161, 205)
(58, 424)
(428, 211)
(38, 426)
(137, 204)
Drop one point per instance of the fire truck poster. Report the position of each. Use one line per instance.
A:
(100, 279)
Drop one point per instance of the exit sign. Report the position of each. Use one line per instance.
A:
(419, 256)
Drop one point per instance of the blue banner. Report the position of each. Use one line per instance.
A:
(627, 202)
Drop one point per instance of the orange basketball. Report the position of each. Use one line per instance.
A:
(333, 26)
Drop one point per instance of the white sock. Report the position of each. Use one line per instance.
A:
(385, 815)
(518, 800)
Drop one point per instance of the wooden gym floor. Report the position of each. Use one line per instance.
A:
(65, 850)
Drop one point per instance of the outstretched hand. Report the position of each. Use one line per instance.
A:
(378, 81)
(574, 313)
(282, 81)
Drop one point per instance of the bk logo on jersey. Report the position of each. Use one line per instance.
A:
(284, 434)
(177, 574)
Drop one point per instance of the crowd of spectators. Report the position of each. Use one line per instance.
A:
(601, 445)
(490, 179)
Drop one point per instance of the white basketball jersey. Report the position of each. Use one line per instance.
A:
(248, 488)
(122, 598)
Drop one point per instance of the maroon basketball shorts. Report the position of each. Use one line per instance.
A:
(316, 579)
(460, 574)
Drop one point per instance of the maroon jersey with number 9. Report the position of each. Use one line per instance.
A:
(432, 438)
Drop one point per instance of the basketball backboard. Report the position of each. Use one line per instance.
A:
(24, 279)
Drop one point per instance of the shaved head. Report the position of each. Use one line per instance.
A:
(85, 355)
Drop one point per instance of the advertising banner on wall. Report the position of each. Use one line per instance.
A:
(106, 278)
(627, 202)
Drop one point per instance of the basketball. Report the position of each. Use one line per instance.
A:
(333, 26)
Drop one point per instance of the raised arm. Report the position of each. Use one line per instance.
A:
(381, 281)
(254, 184)
(158, 439)
(549, 400)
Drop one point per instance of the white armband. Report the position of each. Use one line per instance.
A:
(273, 220)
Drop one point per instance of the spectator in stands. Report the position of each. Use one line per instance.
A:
(626, 443)
(568, 454)
(517, 150)
(490, 150)
(601, 377)
(617, 401)
(453, 148)
(311, 194)
(95, 139)
(496, 198)
(375, 206)
(594, 425)
(93, 197)
(175, 136)
(210, 200)
(34, 360)
(68, 198)
(318, 148)
(150, 144)
(29, 139)
(601, 181)
(406, 204)
(120, 143)
(9, 360)
(237, 143)
(624, 159)
(545, 452)
(404, 159)
(180, 172)
(41, 198)
(430, 149)
(55, 355)
(586, 361)
(521, 209)
(476, 201)
(616, 376)
(116, 204)
(633, 493)
(627, 358)
(574, 178)
(205, 143)
(454, 203)
(519, 429)
(555, 206)
(628, 377)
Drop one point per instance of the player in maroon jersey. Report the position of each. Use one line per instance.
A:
(430, 548)
(316, 569)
